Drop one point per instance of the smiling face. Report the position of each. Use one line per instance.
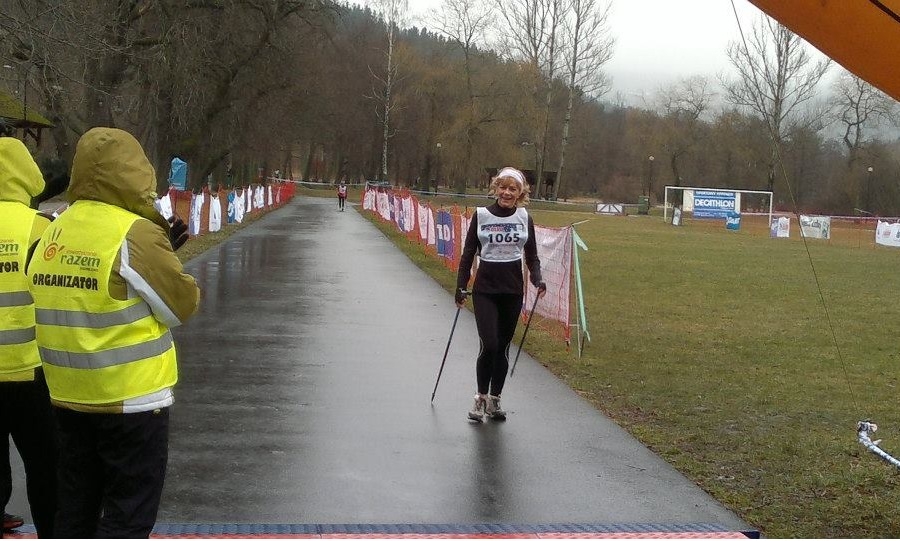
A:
(508, 192)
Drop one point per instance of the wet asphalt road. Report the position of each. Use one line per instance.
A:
(304, 397)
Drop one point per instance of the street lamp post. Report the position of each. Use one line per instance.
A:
(869, 188)
(526, 144)
(437, 180)
(649, 176)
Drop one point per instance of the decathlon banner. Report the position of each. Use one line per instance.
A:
(445, 234)
(714, 204)
(887, 234)
(554, 246)
(815, 227)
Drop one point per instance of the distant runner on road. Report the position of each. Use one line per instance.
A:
(342, 195)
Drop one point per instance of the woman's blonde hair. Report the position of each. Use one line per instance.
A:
(511, 174)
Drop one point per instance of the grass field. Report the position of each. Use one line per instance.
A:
(713, 348)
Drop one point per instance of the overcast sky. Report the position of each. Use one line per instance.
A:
(660, 41)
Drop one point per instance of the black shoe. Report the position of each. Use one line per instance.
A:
(11, 522)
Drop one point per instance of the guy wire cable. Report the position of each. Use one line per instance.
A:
(802, 236)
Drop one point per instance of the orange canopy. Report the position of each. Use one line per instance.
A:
(861, 35)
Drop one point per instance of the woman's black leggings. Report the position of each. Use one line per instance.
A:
(496, 316)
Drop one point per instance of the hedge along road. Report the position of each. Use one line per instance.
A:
(304, 398)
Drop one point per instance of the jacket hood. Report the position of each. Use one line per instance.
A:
(20, 177)
(110, 166)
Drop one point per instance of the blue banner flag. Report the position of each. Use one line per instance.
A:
(444, 231)
(713, 204)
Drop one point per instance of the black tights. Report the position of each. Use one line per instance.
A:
(496, 317)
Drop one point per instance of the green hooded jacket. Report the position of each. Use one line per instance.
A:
(110, 166)
(20, 181)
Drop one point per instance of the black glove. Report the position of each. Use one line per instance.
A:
(461, 296)
(541, 287)
(177, 232)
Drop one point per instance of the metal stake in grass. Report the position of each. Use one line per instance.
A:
(527, 324)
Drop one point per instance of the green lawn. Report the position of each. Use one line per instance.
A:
(712, 347)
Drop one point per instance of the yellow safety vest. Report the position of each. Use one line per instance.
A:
(95, 349)
(18, 349)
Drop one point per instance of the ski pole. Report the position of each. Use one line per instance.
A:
(522, 341)
(458, 308)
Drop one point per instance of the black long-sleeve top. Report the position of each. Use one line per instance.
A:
(498, 277)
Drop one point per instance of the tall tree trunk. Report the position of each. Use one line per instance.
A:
(387, 103)
(565, 137)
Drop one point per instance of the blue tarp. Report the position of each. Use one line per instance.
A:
(178, 174)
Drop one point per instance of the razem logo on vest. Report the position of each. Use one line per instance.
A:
(714, 204)
(51, 247)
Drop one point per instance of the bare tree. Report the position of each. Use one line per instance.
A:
(187, 80)
(528, 23)
(534, 36)
(777, 77)
(682, 107)
(858, 106)
(463, 22)
(394, 13)
(588, 46)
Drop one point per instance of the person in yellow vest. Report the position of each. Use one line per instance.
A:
(107, 287)
(25, 412)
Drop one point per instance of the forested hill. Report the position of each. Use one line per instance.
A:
(326, 91)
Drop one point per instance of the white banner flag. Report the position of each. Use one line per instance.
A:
(554, 246)
(887, 234)
(424, 224)
(215, 213)
(815, 227)
(780, 228)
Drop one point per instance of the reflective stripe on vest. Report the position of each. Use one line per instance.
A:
(110, 357)
(19, 298)
(70, 318)
(96, 349)
(18, 336)
(18, 349)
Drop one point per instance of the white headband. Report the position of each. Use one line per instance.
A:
(515, 174)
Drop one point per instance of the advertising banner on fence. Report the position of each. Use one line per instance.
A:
(613, 209)
(408, 214)
(444, 234)
(815, 227)
(554, 247)
(714, 204)
(733, 221)
(780, 228)
(887, 234)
